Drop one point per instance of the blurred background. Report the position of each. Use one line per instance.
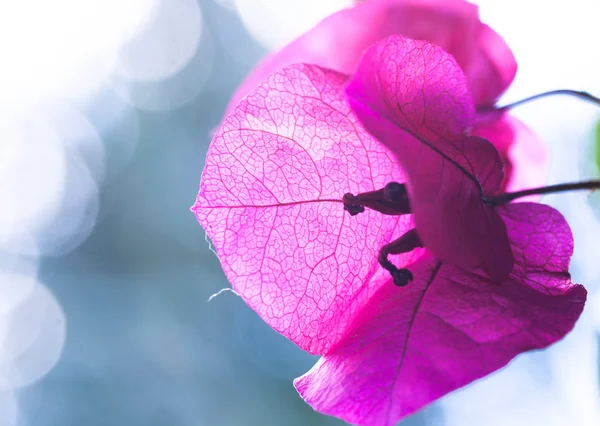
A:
(106, 112)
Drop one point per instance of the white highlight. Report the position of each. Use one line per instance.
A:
(594, 306)
(62, 48)
(32, 178)
(9, 408)
(15, 288)
(51, 163)
(275, 23)
(78, 207)
(165, 44)
(33, 339)
(574, 363)
(175, 91)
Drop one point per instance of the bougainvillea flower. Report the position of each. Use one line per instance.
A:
(339, 41)
(269, 200)
(414, 98)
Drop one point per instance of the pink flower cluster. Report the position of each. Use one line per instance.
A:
(371, 103)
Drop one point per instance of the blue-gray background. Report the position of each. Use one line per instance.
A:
(131, 273)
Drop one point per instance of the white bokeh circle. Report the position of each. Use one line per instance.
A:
(64, 48)
(275, 23)
(178, 89)
(51, 164)
(165, 44)
(9, 407)
(34, 338)
(32, 178)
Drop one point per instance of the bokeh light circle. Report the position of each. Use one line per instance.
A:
(63, 48)
(34, 338)
(178, 89)
(77, 213)
(166, 43)
(50, 173)
(32, 178)
(275, 23)
(9, 408)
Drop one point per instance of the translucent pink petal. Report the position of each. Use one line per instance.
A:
(410, 346)
(306, 267)
(524, 155)
(491, 69)
(417, 86)
(339, 41)
(413, 97)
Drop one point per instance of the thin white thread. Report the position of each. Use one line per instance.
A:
(210, 245)
(222, 291)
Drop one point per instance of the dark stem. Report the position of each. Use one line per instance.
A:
(406, 243)
(510, 196)
(578, 94)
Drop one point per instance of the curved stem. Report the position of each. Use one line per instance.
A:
(510, 196)
(578, 94)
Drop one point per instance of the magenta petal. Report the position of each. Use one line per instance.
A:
(339, 41)
(306, 267)
(491, 69)
(410, 346)
(417, 86)
(524, 155)
(412, 96)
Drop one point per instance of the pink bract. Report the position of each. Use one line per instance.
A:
(524, 157)
(306, 267)
(413, 97)
(270, 202)
(449, 327)
(339, 41)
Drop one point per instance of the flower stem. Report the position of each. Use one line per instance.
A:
(578, 94)
(563, 187)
